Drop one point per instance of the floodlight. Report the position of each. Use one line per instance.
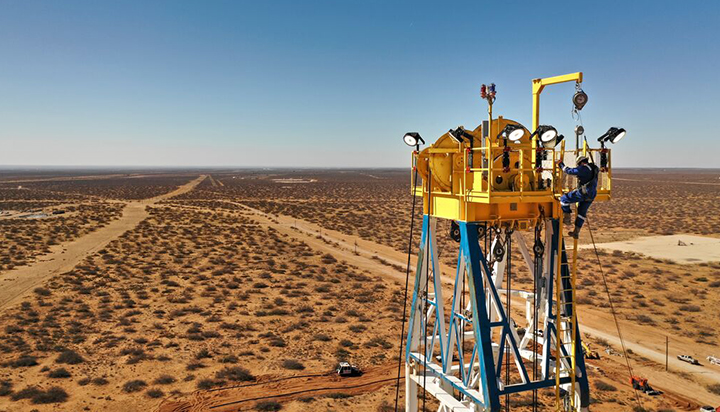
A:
(548, 135)
(457, 134)
(619, 135)
(613, 135)
(413, 139)
(513, 132)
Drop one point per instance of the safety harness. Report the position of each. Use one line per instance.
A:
(583, 187)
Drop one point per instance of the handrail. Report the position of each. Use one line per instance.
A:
(485, 189)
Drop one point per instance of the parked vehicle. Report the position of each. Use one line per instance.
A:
(641, 384)
(346, 369)
(689, 359)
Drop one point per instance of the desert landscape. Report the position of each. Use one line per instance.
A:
(359, 206)
(242, 289)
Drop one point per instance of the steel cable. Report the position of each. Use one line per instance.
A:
(612, 310)
(508, 298)
(407, 279)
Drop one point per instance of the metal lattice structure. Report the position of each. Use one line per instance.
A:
(459, 360)
(471, 349)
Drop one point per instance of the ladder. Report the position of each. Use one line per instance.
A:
(566, 327)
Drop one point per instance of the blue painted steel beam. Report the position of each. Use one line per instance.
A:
(481, 325)
(461, 389)
(416, 288)
(504, 321)
(454, 327)
(522, 387)
(477, 269)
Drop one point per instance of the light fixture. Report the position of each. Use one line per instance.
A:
(513, 132)
(459, 134)
(613, 135)
(619, 135)
(548, 135)
(413, 139)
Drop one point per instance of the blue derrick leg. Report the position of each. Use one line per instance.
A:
(478, 273)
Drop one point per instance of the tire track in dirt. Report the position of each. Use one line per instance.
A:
(283, 390)
(18, 282)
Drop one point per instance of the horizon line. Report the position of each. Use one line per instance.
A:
(146, 167)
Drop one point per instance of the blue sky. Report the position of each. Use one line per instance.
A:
(337, 83)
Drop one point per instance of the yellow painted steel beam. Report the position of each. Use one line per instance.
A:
(539, 84)
(537, 87)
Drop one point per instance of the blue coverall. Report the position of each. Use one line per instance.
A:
(584, 198)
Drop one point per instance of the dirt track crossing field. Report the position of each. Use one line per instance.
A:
(284, 389)
(16, 283)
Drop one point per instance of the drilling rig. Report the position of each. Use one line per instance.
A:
(499, 185)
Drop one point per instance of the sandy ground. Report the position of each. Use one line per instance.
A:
(683, 182)
(64, 178)
(379, 259)
(284, 389)
(342, 245)
(647, 344)
(680, 248)
(16, 283)
(86, 177)
(594, 323)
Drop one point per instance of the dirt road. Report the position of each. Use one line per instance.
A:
(17, 283)
(341, 245)
(648, 343)
(284, 389)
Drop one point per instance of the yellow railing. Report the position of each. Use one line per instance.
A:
(560, 183)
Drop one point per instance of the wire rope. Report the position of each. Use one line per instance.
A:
(508, 273)
(612, 310)
(407, 280)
